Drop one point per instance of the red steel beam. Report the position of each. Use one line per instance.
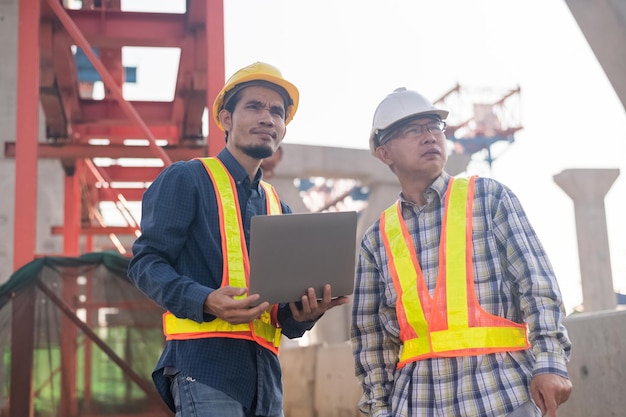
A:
(71, 216)
(112, 60)
(107, 79)
(27, 133)
(45, 150)
(130, 194)
(184, 82)
(111, 112)
(117, 28)
(97, 230)
(66, 74)
(191, 86)
(117, 173)
(83, 132)
(215, 64)
(191, 83)
(56, 121)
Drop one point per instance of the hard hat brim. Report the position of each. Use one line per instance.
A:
(442, 114)
(291, 89)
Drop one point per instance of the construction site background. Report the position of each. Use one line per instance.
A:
(319, 377)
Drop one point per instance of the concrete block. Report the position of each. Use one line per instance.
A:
(319, 381)
(598, 365)
(298, 366)
(337, 389)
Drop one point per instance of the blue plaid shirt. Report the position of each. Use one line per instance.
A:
(513, 279)
(177, 262)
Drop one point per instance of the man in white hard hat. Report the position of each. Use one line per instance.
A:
(456, 309)
(221, 354)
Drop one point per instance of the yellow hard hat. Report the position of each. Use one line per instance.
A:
(260, 72)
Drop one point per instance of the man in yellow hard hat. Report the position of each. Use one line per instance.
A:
(221, 354)
(456, 309)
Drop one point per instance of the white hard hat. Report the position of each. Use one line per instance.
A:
(399, 106)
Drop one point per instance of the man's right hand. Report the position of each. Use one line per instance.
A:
(221, 303)
(549, 391)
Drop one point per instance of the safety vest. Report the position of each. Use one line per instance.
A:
(451, 323)
(236, 269)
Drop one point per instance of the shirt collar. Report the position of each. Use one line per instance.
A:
(235, 169)
(439, 186)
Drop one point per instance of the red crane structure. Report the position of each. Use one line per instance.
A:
(480, 118)
(60, 308)
(79, 129)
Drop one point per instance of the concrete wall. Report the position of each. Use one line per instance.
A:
(8, 80)
(319, 380)
(598, 365)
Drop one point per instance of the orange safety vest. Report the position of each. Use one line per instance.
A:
(451, 323)
(236, 271)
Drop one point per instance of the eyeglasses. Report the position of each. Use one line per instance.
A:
(416, 130)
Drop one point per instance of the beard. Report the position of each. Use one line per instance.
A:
(257, 151)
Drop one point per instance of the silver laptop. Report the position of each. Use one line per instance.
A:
(290, 253)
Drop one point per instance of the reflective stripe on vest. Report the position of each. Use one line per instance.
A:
(236, 268)
(451, 323)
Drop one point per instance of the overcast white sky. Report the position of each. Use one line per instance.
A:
(346, 55)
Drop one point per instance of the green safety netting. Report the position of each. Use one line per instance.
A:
(97, 364)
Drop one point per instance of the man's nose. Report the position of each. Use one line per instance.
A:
(266, 116)
(429, 137)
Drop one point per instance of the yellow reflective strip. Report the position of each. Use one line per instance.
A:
(277, 337)
(456, 251)
(479, 338)
(273, 203)
(407, 274)
(232, 227)
(174, 325)
(234, 250)
(269, 332)
(414, 347)
(266, 331)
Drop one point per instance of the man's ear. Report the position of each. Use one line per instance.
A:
(383, 155)
(225, 119)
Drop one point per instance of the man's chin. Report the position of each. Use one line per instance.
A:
(258, 151)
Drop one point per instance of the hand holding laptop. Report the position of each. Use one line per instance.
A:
(313, 308)
(224, 304)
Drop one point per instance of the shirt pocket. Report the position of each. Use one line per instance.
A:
(487, 267)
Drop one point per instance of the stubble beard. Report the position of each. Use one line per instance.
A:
(257, 151)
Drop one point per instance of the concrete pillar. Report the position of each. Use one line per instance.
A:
(382, 194)
(587, 188)
(289, 193)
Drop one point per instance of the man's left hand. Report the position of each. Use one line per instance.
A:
(312, 308)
